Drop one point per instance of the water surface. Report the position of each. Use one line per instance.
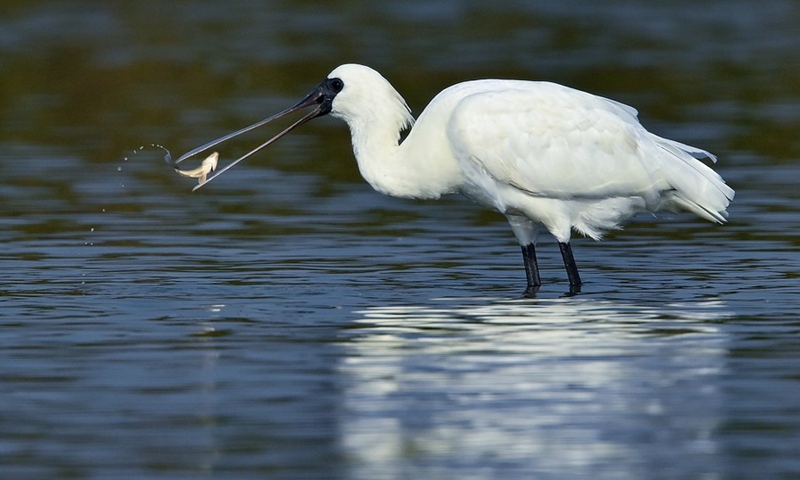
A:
(288, 322)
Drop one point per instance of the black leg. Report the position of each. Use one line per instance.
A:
(531, 267)
(569, 263)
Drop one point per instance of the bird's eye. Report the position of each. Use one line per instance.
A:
(336, 85)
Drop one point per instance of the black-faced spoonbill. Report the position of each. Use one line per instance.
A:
(537, 152)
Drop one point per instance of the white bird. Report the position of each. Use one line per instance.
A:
(541, 154)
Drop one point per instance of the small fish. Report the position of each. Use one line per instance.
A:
(201, 172)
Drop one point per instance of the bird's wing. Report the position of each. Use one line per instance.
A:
(552, 141)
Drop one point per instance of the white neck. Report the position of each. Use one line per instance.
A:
(422, 166)
(418, 168)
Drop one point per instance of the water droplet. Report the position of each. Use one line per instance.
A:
(91, 229)
(119, 169)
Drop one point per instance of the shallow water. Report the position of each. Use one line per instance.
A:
(288, 322)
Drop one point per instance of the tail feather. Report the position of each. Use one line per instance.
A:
(697, 188)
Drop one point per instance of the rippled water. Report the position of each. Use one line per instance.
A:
(288, 322)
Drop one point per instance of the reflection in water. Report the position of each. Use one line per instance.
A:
(208, 452)
(534, 386)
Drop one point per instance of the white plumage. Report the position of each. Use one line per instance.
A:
(538, 152)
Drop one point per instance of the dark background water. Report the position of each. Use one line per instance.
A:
(288, 322)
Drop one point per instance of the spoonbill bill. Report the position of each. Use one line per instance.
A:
(540, 153)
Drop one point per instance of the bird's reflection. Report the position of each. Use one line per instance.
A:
(609, 390)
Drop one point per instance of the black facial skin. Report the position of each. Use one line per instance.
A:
(328, 91)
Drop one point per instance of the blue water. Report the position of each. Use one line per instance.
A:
(288, 322)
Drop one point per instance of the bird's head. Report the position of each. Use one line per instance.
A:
(364, 95)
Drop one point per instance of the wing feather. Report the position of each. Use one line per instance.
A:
(553, 141)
